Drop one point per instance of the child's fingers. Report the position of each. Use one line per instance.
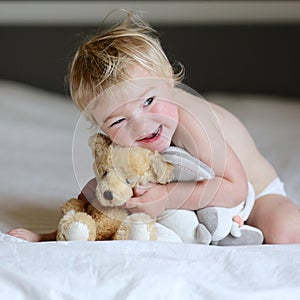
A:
(133, 202)
(140, 190)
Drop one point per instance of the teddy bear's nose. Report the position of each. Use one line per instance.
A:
(108, 195)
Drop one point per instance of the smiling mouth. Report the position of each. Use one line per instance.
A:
(153, 136)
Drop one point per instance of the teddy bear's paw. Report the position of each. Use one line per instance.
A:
(249, 236)
(76, 227)
(138, 226)
(203, 236)
(77, 232)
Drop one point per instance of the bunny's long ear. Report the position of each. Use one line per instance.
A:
(98, 142)
(186, 166)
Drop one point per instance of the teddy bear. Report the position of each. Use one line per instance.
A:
(118, 170)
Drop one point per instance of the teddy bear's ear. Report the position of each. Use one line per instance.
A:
(98, 142)
(163, 170)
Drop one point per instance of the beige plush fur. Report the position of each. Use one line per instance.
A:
(118, 170)
(137, 226)
(101, 224)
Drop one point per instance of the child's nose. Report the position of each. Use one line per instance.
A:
(139, 125)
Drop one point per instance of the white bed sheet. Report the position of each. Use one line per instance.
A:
(36, 172)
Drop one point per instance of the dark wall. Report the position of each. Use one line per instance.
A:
(245, 58)
(257, 59)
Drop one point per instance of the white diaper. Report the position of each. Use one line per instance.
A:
(275, 187)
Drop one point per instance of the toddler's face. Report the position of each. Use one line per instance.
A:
(138, 112)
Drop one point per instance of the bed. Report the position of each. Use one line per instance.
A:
(247, 60)
(37, 176)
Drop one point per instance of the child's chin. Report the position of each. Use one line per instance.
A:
(159, 147)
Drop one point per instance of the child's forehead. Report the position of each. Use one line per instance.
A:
(125, 92)
(133, 89)
(141, 81)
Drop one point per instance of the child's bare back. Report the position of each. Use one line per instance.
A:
(229, 130)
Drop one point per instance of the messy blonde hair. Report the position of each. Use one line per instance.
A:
(105, 59)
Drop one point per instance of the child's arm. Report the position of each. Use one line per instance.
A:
(227, 189)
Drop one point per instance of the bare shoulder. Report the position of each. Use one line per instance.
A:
(195, 107)
(197, 124)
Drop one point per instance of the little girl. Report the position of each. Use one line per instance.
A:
(124, 83)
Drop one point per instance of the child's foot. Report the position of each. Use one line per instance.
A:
(25, 234)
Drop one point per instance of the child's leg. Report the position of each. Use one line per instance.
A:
(278, 218)
(31, 236)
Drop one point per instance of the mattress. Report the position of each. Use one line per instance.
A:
(37, 176)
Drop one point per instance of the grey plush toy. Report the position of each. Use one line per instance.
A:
(211, 225)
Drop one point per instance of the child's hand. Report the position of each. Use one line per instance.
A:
(151, 200)
(142, 189)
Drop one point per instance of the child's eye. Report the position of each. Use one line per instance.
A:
(117, 122)
(148, 101)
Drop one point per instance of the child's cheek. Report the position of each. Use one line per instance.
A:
(166, 109)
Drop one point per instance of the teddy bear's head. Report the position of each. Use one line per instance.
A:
(120, 169)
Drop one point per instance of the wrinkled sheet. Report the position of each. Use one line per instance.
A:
(147, 270)
(36, 130)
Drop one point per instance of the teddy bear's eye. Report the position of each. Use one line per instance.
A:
(127, 181)
(104, 174)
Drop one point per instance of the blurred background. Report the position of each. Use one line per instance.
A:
(225, 46)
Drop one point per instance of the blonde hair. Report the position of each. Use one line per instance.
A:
(104, 60)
